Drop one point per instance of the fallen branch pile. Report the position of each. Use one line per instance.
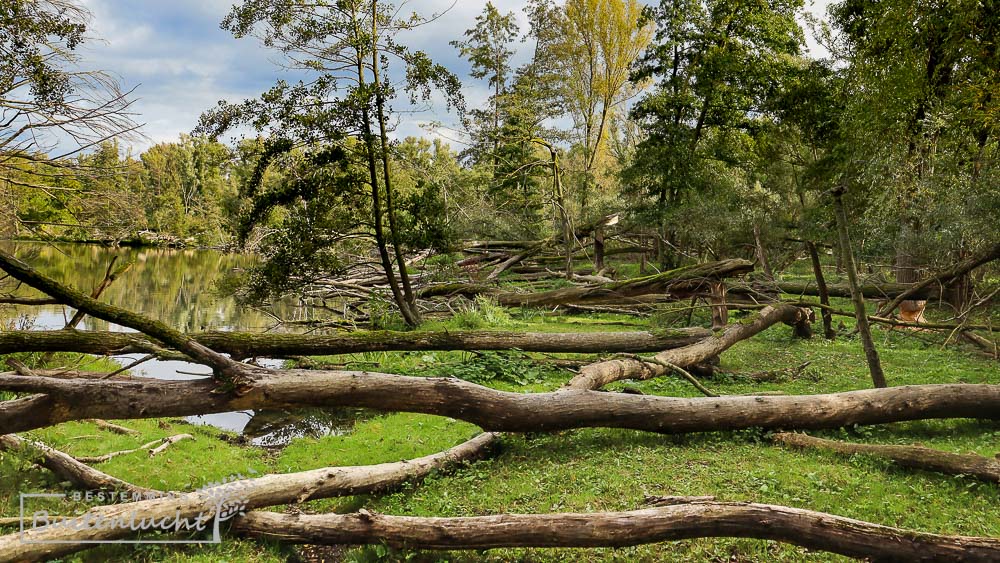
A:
(238, 386)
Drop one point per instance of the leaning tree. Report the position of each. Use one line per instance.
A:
(50, 109)
(338, 120)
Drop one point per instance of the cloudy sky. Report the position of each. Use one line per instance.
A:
(181, 63)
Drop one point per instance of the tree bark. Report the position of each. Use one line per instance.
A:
(64, 400)
(273, 345)
(861, 314)
(600, 374)
(824, 294)
(916, 457)
(869, 291)
(806, 528)
(264, 491)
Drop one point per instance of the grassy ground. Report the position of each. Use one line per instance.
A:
(592, 469)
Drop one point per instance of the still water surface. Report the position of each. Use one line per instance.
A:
(179, 288)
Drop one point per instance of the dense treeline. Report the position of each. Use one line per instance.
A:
(705, 123)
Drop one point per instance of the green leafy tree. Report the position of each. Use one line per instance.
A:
(50, 109)
(716, 63)
(341, 116)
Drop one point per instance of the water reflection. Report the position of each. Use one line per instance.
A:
(177, 287)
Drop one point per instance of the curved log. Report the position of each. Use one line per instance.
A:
(264, 491)
(917, 457)
(490, 409)
(599, 374)
(813, 530)
(68, 468)
(245, 345)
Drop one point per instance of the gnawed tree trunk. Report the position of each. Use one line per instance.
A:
(64, 400)
(246, 345)
(264, 491)
(813, 530)
(917, 457)
(600, 374)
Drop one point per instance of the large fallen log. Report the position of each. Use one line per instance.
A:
(231, 372)
(813, 530)
(490, 409)
(40, 543)
(870, 291)
(917, 457)
(245, 345)
(681, 281)
(600, 374)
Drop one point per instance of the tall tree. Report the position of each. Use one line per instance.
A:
(921, 116)
(488, 49)
(348, 45)
(717, 62)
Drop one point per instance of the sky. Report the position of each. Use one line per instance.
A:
(181, 62)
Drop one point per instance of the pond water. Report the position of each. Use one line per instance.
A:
(179, 288)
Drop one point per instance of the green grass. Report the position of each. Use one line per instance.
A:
(594, 469)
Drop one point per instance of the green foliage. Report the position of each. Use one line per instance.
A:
(483, 312)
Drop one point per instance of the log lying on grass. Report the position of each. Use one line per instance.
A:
(264, 491)
(245, 345)
(68, 468)
(870, 291)
(916, 457)
(490, 409)
(681, 281)
(678, 518)
(813, 530)
(599, 374)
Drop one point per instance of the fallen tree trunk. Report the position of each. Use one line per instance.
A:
(35, 544)
(600, 374)
(870, 291)
(245, 345)
(681, 281)
(490, 409)
(68, 468)
(813, 530)
(678, 281)
(917, 457)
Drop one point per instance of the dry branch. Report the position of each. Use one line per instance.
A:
(813, 530)
(917, 457)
